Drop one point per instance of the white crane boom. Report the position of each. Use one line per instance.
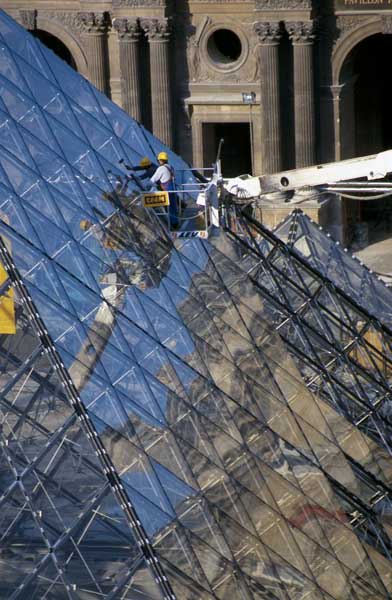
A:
(375, 166)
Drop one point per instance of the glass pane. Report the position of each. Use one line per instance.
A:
(215, 405)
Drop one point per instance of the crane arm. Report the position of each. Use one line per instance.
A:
(375, 166)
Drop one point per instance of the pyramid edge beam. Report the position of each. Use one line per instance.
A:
(81, 412)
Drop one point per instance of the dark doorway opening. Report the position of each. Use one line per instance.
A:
(373, 89)
(236, 152)
(56, 45)
(366, 70)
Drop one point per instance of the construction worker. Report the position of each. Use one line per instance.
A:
(145, 165)
(163, 178)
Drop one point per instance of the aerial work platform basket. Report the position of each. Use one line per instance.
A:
(197, 207)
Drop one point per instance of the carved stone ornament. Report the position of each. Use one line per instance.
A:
(190, 32)
(28, 18)
(268, 33)
(139, 3)
(69, 20)
(346, 23)
(301, 32)
(248, 72)
(282, 4)
(91, 22)
(386, 23)
(193, 53)
(127, 29)
(157, 30)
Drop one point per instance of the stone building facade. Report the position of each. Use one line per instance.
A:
(285, 83)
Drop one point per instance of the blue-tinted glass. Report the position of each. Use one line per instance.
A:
(13, 213)
(218, 409)
(11, 139)
(72, 84)
(14, 100)
(73, 261)
(24, 46)
(9, 69)
(35, 122)
(101, 138)
(125, 128)
(24, 253)
(17, 174)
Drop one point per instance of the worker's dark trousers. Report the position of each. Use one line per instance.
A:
(173, 202)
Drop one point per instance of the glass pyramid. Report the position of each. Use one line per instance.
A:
(335, 263)
(167, 429)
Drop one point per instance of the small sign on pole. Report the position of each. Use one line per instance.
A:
(155, 199)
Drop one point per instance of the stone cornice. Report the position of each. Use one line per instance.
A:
(139, 3)
(268, 33)
(282, 4)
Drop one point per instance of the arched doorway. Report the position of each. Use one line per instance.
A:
(56, 45)
(366, 122)
(372, 94)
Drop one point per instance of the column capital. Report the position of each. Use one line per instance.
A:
(157, 30)
(334, 90)
(91, 22)
(127, 29)
(28, 18)
(301, 32)
(268, 33)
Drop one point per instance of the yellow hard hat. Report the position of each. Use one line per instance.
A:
(85, 224)
(163, 156)
(145, 162)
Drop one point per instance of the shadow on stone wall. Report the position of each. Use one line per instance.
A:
(183, 31)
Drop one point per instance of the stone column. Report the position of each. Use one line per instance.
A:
(269, 38)
(337, 209)
(129, 35)
(158, 34)
(302, 37)
(94, 31)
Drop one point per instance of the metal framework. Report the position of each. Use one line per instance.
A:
(334, 262)
(197, 419)
(340, 342)
(342, 350)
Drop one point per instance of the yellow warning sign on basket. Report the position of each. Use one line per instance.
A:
(7, 308)
(155, 199)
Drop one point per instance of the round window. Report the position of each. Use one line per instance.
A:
(224, 47)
